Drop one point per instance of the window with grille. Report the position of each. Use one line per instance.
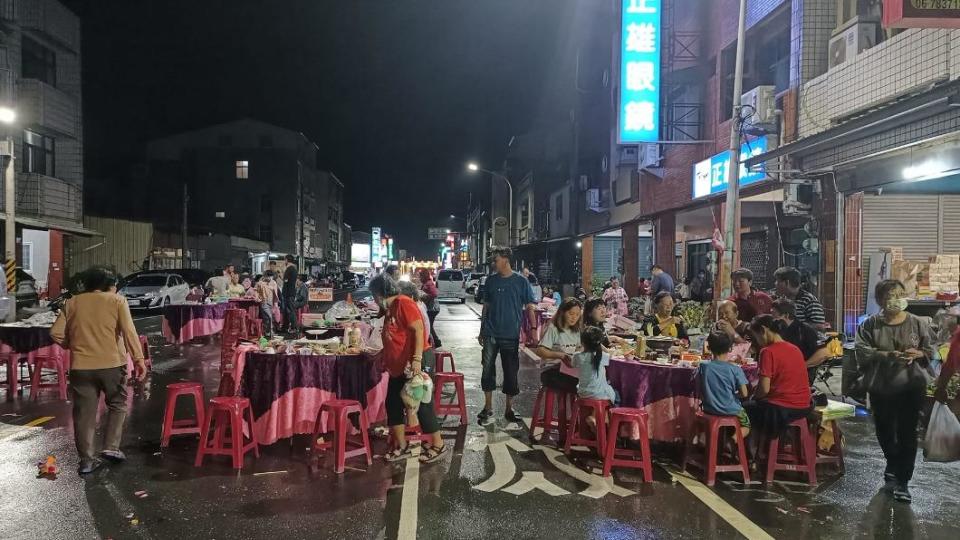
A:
(39, 153)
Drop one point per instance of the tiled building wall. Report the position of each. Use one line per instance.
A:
(852, 265)
(811, 24)
(906, 63)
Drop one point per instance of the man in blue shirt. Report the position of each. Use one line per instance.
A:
(660, 282)
(505, 296)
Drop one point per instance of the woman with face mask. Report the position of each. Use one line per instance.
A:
(892, 347)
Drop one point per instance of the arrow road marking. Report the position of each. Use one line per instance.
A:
(599, 486)
(503, 467)
(535, 480)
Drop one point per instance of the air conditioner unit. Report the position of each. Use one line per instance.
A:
(651, 156)
(760, 104)
(593, 200)
(798, 199)
(847, 42)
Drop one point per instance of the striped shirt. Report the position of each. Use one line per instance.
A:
(809, 309)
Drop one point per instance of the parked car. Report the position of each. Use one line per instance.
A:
(193, 276)
(155, 289)
(473, 281)
(26, 293)
(452, 284)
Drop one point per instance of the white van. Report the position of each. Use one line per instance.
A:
(452, 284)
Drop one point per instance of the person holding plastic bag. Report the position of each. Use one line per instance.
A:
(942, 442)
(894, 349)
(406, 354)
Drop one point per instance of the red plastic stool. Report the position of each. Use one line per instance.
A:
(460, 406)
(599, 408)
(145, 347)
(255, 328)
(546, 421)
(36, 377)
(11, 361)
(804, 458)
(709, 425)
(441, 356)
(834, 455)
(625, 457)
(338, 409)
(224, 412)
(172, 426)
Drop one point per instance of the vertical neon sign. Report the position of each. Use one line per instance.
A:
(639, 114)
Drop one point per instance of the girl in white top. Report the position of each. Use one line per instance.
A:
(561, 339)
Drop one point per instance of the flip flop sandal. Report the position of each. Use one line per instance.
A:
(398, 454)
(431, 453)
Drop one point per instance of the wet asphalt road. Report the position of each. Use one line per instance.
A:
(494, 484)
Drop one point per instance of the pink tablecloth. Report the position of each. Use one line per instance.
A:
(668, 393)
(291, 407)
(192, 329)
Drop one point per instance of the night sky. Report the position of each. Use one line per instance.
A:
(397, 94)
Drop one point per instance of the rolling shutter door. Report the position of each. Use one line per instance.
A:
(645, 251)
(951, 224)
(606, 250)
(907, 221)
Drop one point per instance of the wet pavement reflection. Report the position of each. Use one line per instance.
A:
(494, 484)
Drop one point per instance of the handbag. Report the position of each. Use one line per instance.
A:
(888, 377)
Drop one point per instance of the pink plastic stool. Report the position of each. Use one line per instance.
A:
(710, 425)
(624, 457)
(36, 377)
(546, 421)
(460, 406)
(441, 357)
(338, 411)
(574, 438)
(804, 458)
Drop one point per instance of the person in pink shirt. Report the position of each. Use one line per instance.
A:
(615, 297)
(430, 293)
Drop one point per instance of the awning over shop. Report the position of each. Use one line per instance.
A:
(71, 228)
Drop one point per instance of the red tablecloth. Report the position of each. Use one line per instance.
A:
(286, 391)
(668, 393)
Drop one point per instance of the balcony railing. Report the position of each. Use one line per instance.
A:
(8, 10)
(46, 106)
(44, 197)
(52, 19)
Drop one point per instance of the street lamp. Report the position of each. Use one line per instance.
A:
(7, 117)
(473, 167)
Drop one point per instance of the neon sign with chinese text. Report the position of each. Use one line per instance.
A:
(712, 175)
(639, 115)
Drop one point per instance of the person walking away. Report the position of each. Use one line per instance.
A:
(783, 394)
(430, 297)
(663, 322)
(801, 334)
(405, 353)
(809, 309)
(267, 297)
(616, 298)
(505, 297)
(661, 281)
(722, 383)
(560, 340)
(750, 302)
(896, 347)
(289, 291)
(97, 328)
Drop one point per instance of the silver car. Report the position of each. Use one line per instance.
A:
(156, 289)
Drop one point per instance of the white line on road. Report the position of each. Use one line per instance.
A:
(535, 480)
(722, 508)
(407, 528)
(503, 467)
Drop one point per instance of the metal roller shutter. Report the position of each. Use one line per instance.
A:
(951, 224)
(907, 221)
(606, 250)
(646, 256)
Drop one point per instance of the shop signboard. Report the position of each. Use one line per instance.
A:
(437, 233)
(320, 294)
(639, 104)
(390, 248)
(921, 13)
(711, 176)
(360, 254)
(375, 243)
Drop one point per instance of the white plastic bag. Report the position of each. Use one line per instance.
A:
(942, 442)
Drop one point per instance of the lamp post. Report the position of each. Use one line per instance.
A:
(7, 117)
(473, 167)
(731, 218)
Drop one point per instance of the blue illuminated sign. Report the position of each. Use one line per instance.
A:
(639, 116)
(712, 175)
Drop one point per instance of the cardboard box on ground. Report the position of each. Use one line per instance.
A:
(939, 274)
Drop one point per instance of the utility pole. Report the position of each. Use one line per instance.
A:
(10, 236)
(732, 215)
(183, 231)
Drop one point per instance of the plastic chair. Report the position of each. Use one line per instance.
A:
(11, 361)
(223, 413)
(547, 397)
(338, 411)
(835, 455)
(441, 356)
(804, 457)
(459, 407)
(574, 438)
(172, 426)
(625, 457)
(710, 425)
(36, 377)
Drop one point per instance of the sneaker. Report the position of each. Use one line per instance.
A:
(889, 481)
(902, 494)
(511, 416)
(484, 416)
(87, 466)
(115, 456)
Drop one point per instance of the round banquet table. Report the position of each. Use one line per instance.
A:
(29, 342)
(668, 393)
(250, 305)
(287, 390)
(183, 322)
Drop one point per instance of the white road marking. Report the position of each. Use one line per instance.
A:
(738, 521)
(599, 486)
(535, 480)
(503, 467)
(407, 528)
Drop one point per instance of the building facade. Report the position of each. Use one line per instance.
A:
(250, 180)
(40, 64)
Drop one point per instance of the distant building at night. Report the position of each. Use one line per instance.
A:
(250, 180)
(40, 80)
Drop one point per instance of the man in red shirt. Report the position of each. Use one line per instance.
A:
(750, 302)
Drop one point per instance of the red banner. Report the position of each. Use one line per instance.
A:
(921, 13)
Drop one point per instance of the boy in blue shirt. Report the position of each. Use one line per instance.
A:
(720, 382)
